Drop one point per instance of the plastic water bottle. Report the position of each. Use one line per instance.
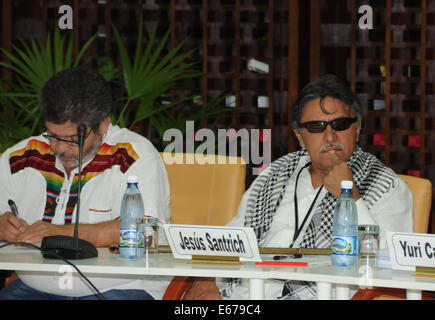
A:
(344, 251)
(131, 242)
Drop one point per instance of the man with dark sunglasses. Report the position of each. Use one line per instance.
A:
(40, 174)
(292, 202)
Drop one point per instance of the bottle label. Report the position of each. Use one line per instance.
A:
(141, 240)
(127, 238)
(343, 245)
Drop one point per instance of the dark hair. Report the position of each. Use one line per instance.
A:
(326, 86)
(76, 95)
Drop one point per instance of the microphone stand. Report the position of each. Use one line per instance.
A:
(81, 133)
(67, 247)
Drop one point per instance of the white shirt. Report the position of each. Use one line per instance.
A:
(100, 200)
(392, 212)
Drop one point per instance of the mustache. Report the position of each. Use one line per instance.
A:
(332, 145)
(73, 158)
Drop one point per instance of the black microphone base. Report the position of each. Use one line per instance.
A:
(65, 246)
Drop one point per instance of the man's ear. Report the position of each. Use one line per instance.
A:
(104, 125)
(299, 137)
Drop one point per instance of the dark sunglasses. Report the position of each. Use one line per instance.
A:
(338, 124)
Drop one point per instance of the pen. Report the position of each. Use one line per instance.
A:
(288, 264)
(291, 256)
(13, 207)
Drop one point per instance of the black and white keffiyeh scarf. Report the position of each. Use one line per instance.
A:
(371, 177)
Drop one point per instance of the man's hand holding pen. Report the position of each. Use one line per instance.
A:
(11, 226)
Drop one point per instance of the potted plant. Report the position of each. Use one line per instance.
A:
(147, 80)
(32, 64)
(140, 85)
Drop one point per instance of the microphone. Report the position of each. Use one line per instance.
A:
(67, 247)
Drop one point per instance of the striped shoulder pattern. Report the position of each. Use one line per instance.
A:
(38, 155)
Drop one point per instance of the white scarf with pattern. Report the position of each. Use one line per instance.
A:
(371, 177)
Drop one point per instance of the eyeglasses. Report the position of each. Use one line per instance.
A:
(338, 124)
(71, 142)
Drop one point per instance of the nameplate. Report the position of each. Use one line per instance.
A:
(197, 240)
(411, 250)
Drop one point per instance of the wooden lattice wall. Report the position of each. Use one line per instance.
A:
(391, 67)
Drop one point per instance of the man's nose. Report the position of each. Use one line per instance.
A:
(329, 134)
(61, 147)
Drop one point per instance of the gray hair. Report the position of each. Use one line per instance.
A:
(326, 86)
(76, 95)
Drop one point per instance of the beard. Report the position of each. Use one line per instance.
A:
(73, 159)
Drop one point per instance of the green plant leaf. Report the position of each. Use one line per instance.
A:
(83, 50)
(33, 63)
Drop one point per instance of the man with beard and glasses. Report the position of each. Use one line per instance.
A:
(41, 175)
(291, 203)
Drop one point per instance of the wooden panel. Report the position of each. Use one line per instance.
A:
(6, 33)
(204, 81)
(229, 33)
(293, 63)
(315, 39)
(236, 60)
(423, 80)
(387, 98)
(390, 68)
(354, 26)
(270, 76)
(44, 21)
(76, 24)
(108, 28)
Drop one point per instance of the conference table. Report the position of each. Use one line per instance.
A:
(319, 270)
